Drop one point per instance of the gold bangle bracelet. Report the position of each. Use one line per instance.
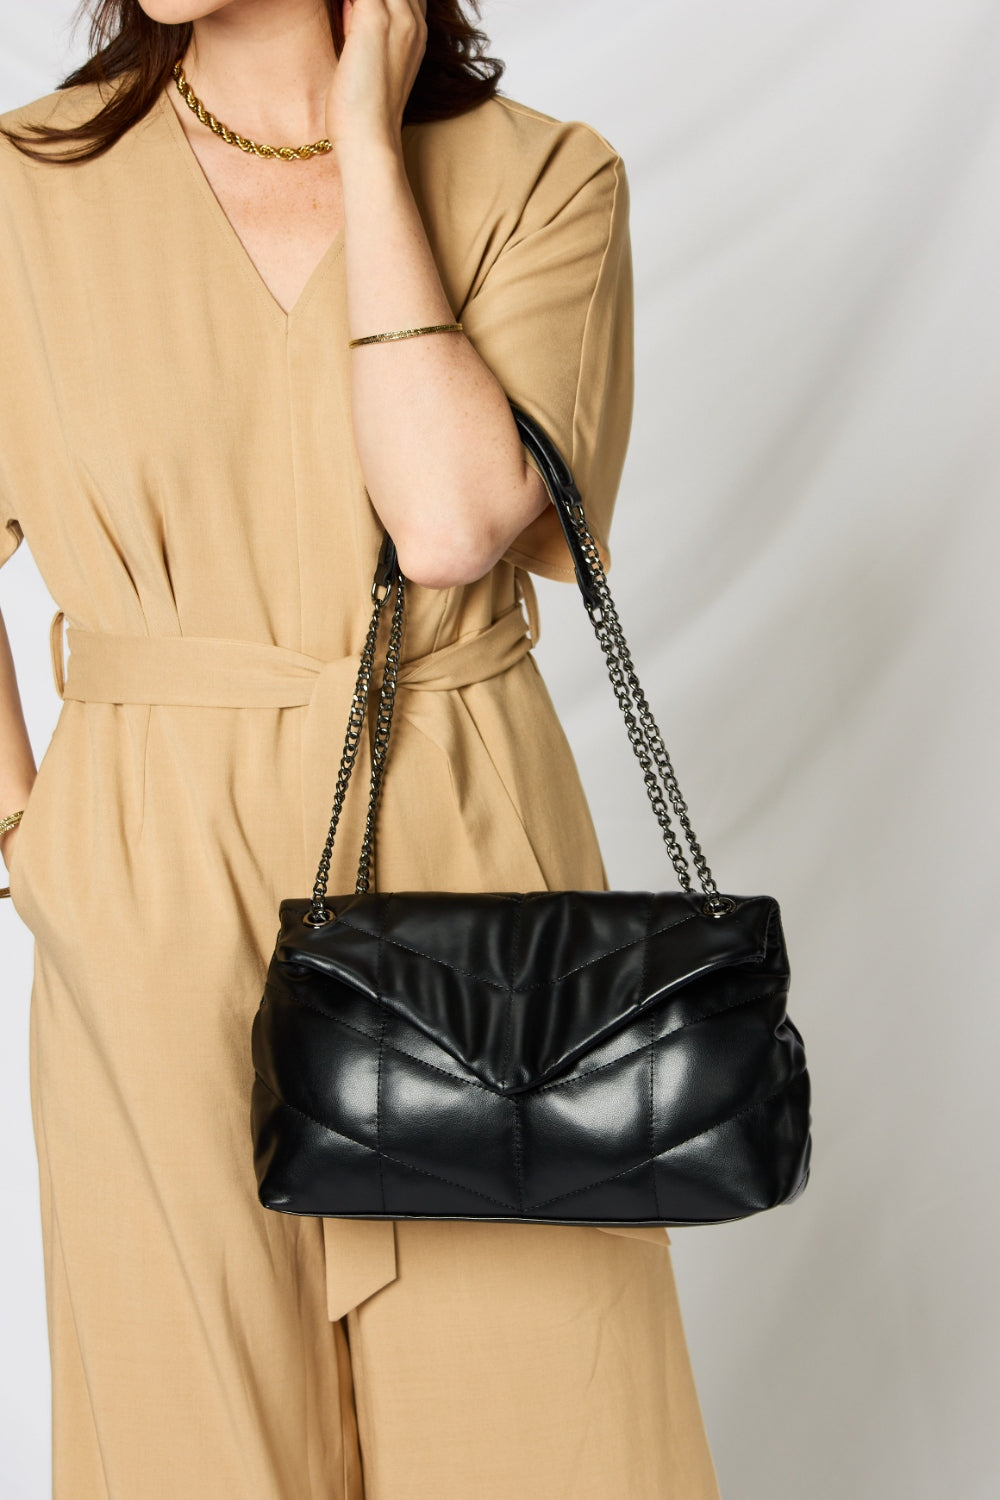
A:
(405, 333)
(6, 824)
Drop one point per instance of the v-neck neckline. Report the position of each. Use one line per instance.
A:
(265, 295)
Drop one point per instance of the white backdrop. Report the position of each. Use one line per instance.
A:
(804, 540)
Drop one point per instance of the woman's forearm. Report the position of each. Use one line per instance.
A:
(439, 450)
(17, 762)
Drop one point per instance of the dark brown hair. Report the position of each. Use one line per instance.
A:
(455, 74)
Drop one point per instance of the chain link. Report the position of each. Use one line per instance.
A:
(383, 724)
(318, 912)
(643, 730)
(640, 747)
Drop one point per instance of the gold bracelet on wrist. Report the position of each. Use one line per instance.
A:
(405, 333)
(6, 824)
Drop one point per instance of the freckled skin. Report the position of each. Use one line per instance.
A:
(286, 213)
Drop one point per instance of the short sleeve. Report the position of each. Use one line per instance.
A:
(553, 320)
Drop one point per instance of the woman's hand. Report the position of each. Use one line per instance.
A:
(383, 48)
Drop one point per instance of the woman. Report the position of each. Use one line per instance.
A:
(203, 467)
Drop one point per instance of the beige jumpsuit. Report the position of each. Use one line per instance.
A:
(178, 452)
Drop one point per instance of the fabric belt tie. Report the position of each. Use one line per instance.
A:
(214, 672)
(211, 672)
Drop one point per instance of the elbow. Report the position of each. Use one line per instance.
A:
(462, 544)
(448, 558)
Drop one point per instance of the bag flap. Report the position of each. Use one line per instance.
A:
(516, 987)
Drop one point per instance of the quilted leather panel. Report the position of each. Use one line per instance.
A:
(568, 968)
(659, 1079)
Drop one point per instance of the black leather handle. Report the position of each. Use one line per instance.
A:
(562, 488)
(564, 495)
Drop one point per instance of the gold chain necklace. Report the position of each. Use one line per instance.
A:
(284, 153)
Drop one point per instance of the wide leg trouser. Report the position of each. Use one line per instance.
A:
(526, 1362)
(504, 1362)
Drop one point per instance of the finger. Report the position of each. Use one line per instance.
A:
(418, 9)
(375, 17)
(415, 8)
(411, 19)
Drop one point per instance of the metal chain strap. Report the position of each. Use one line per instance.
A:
(383, 724)
(608, 642)
(645, 736)
(659, 751)
(318, 912)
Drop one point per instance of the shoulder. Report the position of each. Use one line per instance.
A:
(62, 108)
(505, 158)
(503, 175)
(519, 129)
(67, 104)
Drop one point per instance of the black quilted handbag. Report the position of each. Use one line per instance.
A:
(560, 1057)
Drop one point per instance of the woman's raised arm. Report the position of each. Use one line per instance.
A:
(439, 450)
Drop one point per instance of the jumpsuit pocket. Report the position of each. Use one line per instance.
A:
(14, 870)
(23, 847)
